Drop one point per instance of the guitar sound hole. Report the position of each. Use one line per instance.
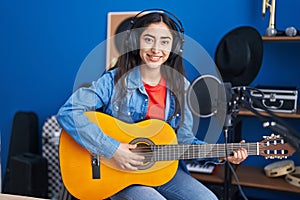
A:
(144, 148)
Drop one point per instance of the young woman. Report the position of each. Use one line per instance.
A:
(146, 82)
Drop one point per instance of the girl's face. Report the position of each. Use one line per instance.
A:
(155, 44)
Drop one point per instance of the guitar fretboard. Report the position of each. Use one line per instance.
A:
(183, 152)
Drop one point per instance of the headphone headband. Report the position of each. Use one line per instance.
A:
(178, 24)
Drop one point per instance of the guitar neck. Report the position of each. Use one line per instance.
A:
(182, 152)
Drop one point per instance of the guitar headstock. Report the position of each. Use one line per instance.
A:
(274, 146)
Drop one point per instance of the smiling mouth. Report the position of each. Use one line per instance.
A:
(154, 58)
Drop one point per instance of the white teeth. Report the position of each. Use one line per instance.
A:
(154, 58)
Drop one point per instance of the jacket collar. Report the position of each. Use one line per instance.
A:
(134, 79)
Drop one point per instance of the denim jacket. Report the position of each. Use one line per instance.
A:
(132, 108)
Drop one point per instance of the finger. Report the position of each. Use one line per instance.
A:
(139, 158)
(128, 166)
(235, 155)
(132, 146)
(244, 153)
(239, 154)
(235, 158)
(232, 160)
(136, 163)
(131, 167)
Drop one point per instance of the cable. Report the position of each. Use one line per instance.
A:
(231, 168)
(237, 181)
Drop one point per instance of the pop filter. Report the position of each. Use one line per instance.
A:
(207, 96)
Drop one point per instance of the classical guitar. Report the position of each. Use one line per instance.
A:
(87, 176)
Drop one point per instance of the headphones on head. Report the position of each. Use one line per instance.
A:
(131, 43)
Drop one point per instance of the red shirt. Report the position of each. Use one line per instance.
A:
(157, 100)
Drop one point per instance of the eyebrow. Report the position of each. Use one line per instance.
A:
(163, 37)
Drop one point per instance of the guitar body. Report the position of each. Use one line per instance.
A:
(75, 161)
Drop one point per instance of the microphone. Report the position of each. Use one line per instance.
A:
(208, 96)
(273, 32)
(292, 31)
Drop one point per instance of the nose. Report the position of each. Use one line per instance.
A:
(154, 50)
(156, 47)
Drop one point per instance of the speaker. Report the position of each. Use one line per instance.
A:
(133, 37)
(24, 136)
(28, 175)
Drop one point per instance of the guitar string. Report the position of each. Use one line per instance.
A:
(194, 148)
(167, 152)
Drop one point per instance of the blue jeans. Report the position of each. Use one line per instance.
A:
(181, 187)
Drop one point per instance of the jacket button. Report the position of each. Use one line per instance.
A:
(116, 108)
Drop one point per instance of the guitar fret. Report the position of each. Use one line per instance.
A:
(178, 152)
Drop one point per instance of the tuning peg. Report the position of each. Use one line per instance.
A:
(269, 157)
(266, 137)
(272, 136)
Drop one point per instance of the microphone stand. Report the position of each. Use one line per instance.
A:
(228, 128)
(241, 98)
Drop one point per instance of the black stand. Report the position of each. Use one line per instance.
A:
(227, 172)
(229, 137)
(241, 98)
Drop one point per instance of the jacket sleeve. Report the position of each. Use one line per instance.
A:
(72, 119)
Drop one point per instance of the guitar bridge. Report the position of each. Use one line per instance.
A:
(95, 166)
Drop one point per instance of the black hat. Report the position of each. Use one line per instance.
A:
(239, 55)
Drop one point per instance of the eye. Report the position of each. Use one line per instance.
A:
(165, 42)
(148, 40)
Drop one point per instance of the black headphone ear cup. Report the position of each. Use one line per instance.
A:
(177, 47)
(132, 41)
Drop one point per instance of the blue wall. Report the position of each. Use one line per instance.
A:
(43, 43)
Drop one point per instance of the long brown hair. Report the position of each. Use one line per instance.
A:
(173, 72)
